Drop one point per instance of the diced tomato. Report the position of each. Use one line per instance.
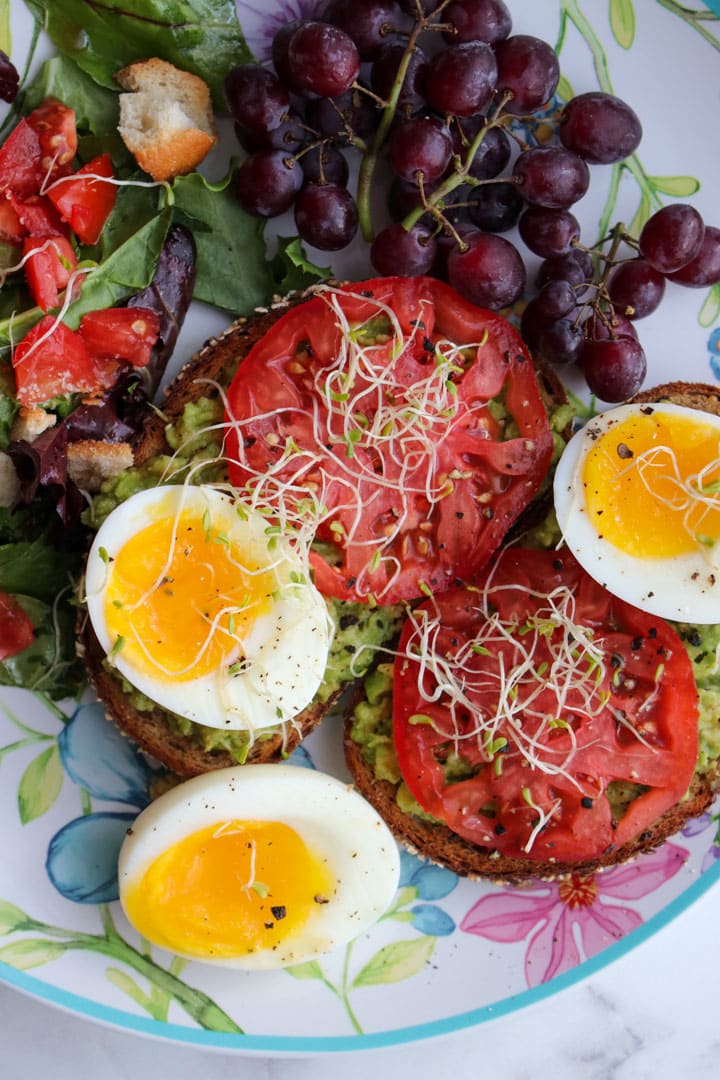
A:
(54, 124)
(21, 168)
(11, 229)
(49, 262)
(85, 202)
(127, 334)
(16, 629)
(50, 361)
(38, 216)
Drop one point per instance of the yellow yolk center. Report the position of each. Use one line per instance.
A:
(180, 596)
(229, 890)
(652, 485)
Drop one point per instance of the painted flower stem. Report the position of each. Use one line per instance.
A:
(345, 993)
(196, 1003)
(694, 19)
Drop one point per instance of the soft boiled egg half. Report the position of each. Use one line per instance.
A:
(202, 606)
(637, 497)
(257, 867)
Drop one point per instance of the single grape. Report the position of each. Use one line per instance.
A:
(351, 112)
(290, 135)
(410, 252)
(370, 23)
(326, 216)
(267, 182)
(489, 273)
(445, 244)
(279, 49)
(477, 20)
(614, 369)
(496, 207)
(324, 165)
(528, 68)
(256, 98)
(551, 176)
(600, 127)
(385, 68)
(9, 78)
(704, 269)
(576, 267)
(461, 78)
(322, 60)
(636, 288)
(555, 300)
(493, 153)
(561, 341)
(423, 145)
(672, 237)
(548, 232)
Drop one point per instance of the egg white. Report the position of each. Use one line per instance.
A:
(335, 822)
(683, 587)
(285, 651)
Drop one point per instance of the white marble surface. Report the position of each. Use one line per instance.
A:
(653, 1015)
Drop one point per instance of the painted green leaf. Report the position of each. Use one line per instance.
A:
(710, 311)
(564, 89)
(11, 918)
(40, 785)
(622, 21)
(309, 970)
(31, 952)
(396, 962)
(678, 186)
(128, 986)
(5, 35)
(641, 215)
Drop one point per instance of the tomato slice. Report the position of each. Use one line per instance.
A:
(49, 262)
(409, 418)
(52, 361)
(540, 689)
(54, 124)
(127, 334)
(84, 201)
(21, 168)
(16, 629)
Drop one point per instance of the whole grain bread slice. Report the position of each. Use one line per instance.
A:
(437, 843)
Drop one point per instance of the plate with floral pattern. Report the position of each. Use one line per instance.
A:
(448, 953)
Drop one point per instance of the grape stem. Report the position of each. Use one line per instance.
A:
(372, 152)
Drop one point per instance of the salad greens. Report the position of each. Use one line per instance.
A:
(202, 36)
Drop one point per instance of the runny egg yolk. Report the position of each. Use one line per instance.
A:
(652, 484)
(180, 595)
(229, 890)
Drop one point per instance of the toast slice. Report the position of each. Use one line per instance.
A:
(436, 842)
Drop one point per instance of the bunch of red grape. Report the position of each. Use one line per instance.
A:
(432, 90)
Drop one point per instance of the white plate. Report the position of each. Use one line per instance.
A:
(450, 953)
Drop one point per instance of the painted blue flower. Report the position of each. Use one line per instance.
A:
(300, 756)
(98, 758)
(430, 919)
(432, 882)
(714, 349)
(82, 857)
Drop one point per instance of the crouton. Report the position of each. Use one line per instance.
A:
(90, 462)
(166, 119)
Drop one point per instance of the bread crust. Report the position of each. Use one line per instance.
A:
(436, 842)
(151, 733)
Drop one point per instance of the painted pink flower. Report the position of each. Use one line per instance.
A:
(567, 921)
(260, 24)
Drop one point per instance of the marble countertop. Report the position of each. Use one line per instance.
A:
(652, 1014)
